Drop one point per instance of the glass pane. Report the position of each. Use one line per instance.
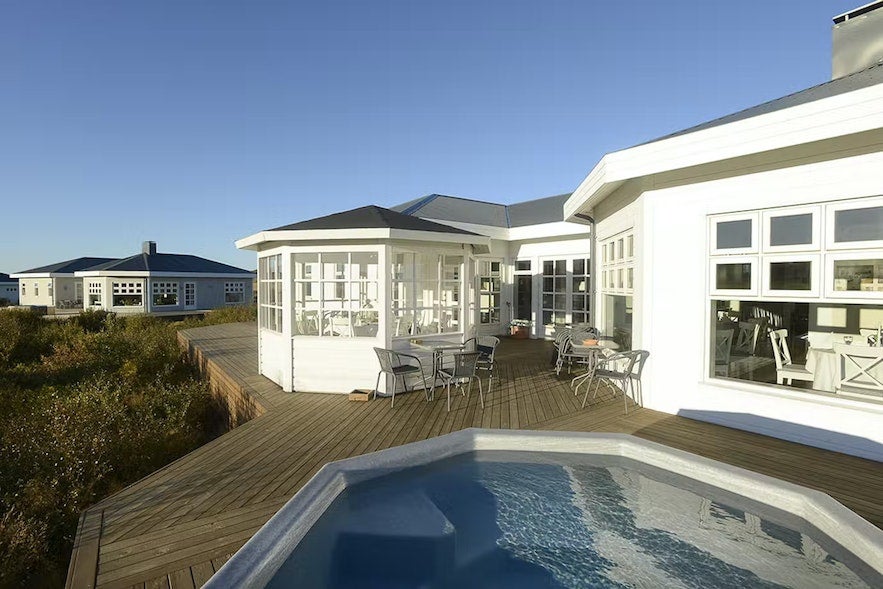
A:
(580, 284)
(791, 229)
(522, 265)
(790, 275)
(548, 268)
(560, 267)
(561, 301)
(305, 265)
(734, 234)
(364, 265)
(577, 302)
(548, 284)
(630, 278)
(548, 301)
(496, 284)
(858, 224)
(365, 323)
(485, 317)
(579, 267)
(495, 315)
(334, 266)
(579, 318)
(495, 268)
(560, 284)
(630, 246)
(861, 275)
(733, 276)
(547, 317)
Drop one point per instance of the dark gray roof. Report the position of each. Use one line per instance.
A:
(541, 210)
(862, 79)
(183, 263)
(464, 210)
(68, 266)
(6, 278)
(371, 217)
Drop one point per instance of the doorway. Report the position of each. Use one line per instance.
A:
(524, 297)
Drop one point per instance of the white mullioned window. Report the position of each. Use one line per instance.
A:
(427, 290)
(128, 294)
(335, 294)
(234, 292)
(95, 294)
(189, 294)
(270, 292)
(165, 294)
(490, 284)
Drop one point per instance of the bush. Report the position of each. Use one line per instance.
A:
(87, 406)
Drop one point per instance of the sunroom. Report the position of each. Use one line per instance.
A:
(333, 288)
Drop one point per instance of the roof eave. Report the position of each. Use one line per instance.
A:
(253, 242)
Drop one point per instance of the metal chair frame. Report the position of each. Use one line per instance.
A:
(486, 346)
(463, 368)
(623, 377)
(391, 363)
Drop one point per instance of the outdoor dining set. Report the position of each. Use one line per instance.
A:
(453, 364)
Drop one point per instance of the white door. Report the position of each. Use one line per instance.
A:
(565, 297)
(189, 295)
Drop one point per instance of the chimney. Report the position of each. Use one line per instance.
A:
(857, 39)
(148, 247)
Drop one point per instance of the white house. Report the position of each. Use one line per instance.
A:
(714, 246)
(330, 289)
(8, 289)
(148, 282)
(764, 220)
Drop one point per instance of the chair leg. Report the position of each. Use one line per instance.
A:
(376, 385)
(480, 393)
(449, 395)
(395, 381)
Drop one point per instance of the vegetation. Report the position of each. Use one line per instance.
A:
(87, 406)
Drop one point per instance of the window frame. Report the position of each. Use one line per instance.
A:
(733, 292)
(831, 210)
(234, 287)
(754, 248)
(829, 291)
(440, 305)
(767, 219)
(267, 281)
(137, 291)
(815, 277)
(498, 293)
(162, 289)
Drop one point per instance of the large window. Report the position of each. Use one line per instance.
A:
(165, 294)
(270, 292)
(554, 292)
(336, 294)
(234, 293)
(490, 284)
(427, 290)
(128, 294)
(95, 294)
(618, 320)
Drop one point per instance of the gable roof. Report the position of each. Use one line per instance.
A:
(68, 266)
(371, 217)
(465, 210)
(167, 263)
(855, 81)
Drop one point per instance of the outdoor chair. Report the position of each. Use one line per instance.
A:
(635, 377)
(567, 356)
(486, 346)
(461, 369)
(859, 369)
(723, 347)
(616, 369)
(396, 364)
(785, 368)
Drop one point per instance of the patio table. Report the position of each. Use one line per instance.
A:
(591, 353)
(438, 348)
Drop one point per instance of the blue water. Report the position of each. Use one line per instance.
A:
(495, 520)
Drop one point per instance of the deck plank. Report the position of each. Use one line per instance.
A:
(177, 527)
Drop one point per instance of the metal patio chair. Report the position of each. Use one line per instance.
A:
(462, 369)
(486, 346)
(616, 369)
(396, 364)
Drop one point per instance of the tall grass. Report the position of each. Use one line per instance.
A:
(87, 406)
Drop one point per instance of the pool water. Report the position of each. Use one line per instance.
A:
(508, 519)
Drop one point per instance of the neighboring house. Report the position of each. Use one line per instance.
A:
(770, 218)
(159, 283)
(8, 289)
(439, 265)
(55, 285)
(707, 240)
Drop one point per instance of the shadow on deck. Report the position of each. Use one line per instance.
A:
(176, 527)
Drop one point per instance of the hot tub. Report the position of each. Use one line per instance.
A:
(491, 508)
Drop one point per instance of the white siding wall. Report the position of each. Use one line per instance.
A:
(671, 306)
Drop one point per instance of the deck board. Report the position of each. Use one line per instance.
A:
(177, 527)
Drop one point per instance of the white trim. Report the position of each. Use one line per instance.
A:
(752, 291)
(252, 241)
(815, 273)
(841, 295)
(767, 217)
(145, 274)
(830, 211)
(752, 216)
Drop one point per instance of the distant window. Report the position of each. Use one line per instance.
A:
(490, 279)
(234, 292)
(165, 294)
(24, 289)
(36, 289)
(522, 265)
(269, 292)
(50, 288)
(95, 299)
(128, 294)
(189, 294)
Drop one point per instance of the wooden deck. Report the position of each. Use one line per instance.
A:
(176, 527)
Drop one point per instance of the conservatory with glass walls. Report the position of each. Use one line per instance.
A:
(332, 289)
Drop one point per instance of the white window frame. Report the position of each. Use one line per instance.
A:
(814, 245)
(233, 288)
(830, 211)
(441, 305)
(189, 295)
(732, 292)
(266, 282)
(815, 274)
(95, 288)
(754, 248)
(848, 294)
(127, 288)
(164, 288)
(481, 262)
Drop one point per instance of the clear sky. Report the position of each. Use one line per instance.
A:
(195, 123)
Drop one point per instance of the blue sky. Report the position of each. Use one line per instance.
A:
(195, 123)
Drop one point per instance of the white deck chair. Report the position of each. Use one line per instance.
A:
(859, 368)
